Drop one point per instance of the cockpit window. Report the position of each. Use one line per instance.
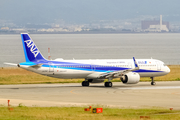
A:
(164, 65)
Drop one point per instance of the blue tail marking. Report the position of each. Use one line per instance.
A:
(135, 63)
(31, 52)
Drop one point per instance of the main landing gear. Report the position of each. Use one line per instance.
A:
(152, 83)
(85, 83)
(108, 84)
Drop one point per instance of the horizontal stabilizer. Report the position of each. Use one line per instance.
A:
(36, 66)
(14, 64)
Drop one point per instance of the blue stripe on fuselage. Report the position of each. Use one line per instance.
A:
(85, 67)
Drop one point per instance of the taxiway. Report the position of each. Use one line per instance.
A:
(164, 94)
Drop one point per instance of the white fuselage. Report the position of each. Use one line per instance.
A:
(82, 68)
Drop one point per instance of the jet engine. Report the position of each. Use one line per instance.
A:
(130, 78)
(95, 80)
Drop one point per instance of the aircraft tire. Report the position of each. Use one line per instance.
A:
(85, 83)
(82, 83)
(153, 83)
(108, 84)
(105, 84)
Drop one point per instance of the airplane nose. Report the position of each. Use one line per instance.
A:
(168, 70)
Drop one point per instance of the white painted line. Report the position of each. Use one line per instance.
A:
(153, 87)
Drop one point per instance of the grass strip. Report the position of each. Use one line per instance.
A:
(74, 113)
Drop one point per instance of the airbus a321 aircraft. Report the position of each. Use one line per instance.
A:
(93, 71)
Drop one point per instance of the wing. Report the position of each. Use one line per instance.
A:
(121, 72)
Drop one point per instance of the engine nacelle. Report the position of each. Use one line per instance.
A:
(130, 78)
(95, 80)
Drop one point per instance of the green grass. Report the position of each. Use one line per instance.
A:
(21, 76)
(78, 113)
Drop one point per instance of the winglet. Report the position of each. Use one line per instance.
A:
(135, 63)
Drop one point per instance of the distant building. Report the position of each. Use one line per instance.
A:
(5, 28)
(146, 24)
(155, 25)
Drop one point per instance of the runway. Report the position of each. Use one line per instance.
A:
(164, 94)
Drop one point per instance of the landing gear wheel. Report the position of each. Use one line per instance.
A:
(85, 83)
(105, 84)
(108, 84)
(153, 83)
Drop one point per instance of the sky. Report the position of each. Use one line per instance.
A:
(85, 11)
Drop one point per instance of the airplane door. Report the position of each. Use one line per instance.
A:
(158, 66)
(93, 67)
(51, 67)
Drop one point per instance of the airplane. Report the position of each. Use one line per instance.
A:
(93, 71)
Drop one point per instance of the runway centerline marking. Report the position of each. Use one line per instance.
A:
(147, 88)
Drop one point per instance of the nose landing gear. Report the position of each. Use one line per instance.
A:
(152, 83)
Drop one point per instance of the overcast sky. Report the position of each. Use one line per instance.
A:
(85, 11)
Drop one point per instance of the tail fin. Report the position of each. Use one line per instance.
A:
(135, 63)
(31, 52)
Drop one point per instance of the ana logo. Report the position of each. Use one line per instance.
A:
(142, 62)
(32, 47)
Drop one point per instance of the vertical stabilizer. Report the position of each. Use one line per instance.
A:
(135, 63)
(31, 51)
